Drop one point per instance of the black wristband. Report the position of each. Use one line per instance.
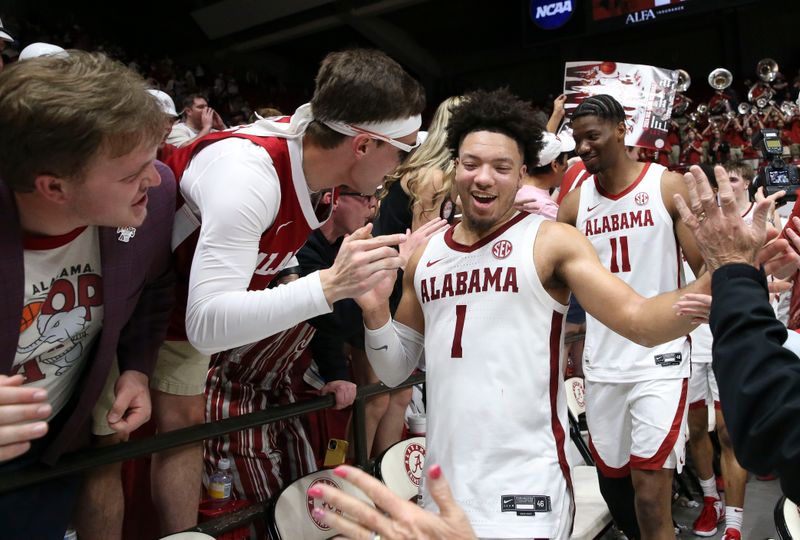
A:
(291, 270)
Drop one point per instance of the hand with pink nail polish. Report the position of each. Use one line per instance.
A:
(393, 518)
(23, 410)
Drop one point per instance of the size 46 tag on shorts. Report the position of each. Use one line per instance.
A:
(669, 359)
(525, 505)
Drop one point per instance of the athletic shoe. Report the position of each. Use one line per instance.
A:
(766, 477)
(713, 513)
(732, 534)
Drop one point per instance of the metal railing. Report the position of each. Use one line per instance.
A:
(94, 457)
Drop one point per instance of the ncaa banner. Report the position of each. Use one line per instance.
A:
(645, 92)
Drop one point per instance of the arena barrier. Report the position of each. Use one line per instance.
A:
(94, 457)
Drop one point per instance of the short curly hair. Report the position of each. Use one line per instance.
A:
(498, 111)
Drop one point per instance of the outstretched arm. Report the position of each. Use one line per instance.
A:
(555, 119)
(575, 265)
(758, 376)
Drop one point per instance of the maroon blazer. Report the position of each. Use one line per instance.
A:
(138, 287)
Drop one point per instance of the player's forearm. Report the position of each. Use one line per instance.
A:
(376, 317)
(224, 320)
(653, 321)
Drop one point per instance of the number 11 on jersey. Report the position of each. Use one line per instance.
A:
(623, 255)
(461, 313)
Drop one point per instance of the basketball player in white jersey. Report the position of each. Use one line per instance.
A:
(486, 298)
(635, 395)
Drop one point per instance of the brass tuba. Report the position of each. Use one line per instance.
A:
(767, 70)
(720, 79)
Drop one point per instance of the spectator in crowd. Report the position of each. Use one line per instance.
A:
(337, 333)
(198, 120)
(534, 193)
(87, 219)
(758, 376)
(557, 116)
(104, 520)
(255, 194)
(265, 459)
(35, 50)
(340, 335)
(414, 194)
(170, 116)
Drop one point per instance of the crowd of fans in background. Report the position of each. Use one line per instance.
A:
(207, 100)
(707, 130)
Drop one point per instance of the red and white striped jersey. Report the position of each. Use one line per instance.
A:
(634, 237)
(253, 378)
(497, 416)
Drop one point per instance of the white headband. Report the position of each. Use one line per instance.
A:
(392, 129)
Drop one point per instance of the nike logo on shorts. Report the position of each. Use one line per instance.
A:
(384, 348)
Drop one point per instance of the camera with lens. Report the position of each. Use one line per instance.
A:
(776, 175)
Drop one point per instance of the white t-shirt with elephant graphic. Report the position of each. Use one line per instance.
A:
(62, 313)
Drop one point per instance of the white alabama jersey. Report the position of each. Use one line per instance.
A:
(497, 413)
(701, 336)
(633, 235)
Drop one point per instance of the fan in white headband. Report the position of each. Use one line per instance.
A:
(387, 131)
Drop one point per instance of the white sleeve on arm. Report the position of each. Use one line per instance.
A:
(236, 189)
(393, 351)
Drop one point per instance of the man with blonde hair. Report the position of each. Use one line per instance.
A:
(85, 223)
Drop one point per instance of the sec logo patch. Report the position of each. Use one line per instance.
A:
(502, 249)
(641, 198)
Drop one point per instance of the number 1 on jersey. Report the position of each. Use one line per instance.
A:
(626, 262)
(461, 313)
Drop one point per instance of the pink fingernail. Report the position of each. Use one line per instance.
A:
(315, 492)
(435, 472)
(341, 472)
(318, 513)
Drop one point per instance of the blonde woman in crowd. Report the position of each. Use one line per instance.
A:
(414, 198)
